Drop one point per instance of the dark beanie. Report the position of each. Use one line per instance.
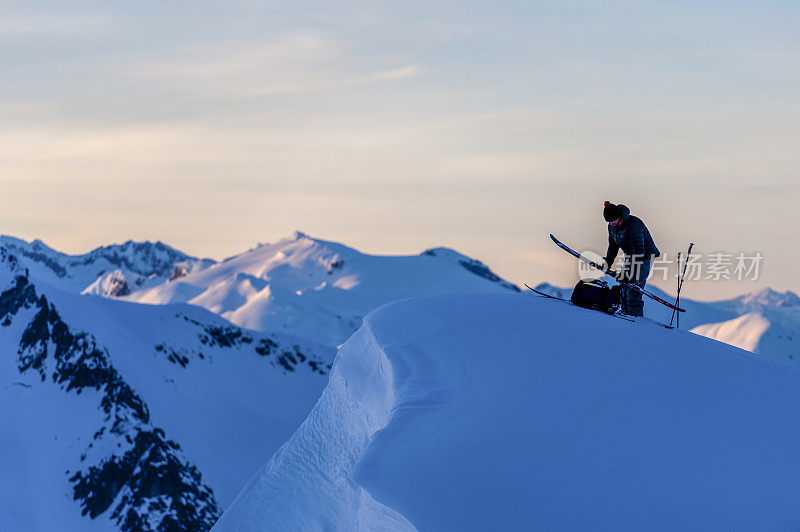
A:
(611, 212)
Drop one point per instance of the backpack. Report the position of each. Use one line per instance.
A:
(596, 295)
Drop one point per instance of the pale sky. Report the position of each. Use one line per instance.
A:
(395, 127)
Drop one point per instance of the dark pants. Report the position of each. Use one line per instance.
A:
(635, 272)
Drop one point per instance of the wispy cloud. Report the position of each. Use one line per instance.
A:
(398, 73)
(51, 25)
(235, 57)
(288, 62)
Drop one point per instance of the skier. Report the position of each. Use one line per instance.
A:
(629, 233)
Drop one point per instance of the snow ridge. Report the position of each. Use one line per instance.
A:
(139, 263)
(482, 412)
(355, 405)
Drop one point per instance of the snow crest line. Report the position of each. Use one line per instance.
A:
(316, 468)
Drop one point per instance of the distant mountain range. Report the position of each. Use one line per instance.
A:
(113, 270)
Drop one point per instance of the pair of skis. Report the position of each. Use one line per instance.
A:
(550, 296)
(608, 271)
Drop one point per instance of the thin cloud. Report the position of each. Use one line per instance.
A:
(398, 73)
(52, 25)
(293, 62)
(233, 58)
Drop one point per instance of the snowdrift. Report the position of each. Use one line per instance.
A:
(512, 412)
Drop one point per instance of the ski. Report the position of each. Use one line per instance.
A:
(608, 271)
(549, 296)
(545, 295)
(654, 322)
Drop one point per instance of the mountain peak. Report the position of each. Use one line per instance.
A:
(771, 298)
(444, 252)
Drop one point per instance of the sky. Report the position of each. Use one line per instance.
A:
(399, 126)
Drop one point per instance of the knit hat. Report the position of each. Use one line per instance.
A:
(611, 212)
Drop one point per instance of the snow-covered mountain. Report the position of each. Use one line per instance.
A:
(147, 409)
(765, 322)
(318, 289)
(135, 416)
(487, 412)
(121, 416)
(111, 271)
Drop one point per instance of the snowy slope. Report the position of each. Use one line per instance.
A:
(142, 417)
(112, 270)
(317, 289)
(744, 332)
(513, 412)
(765, 322)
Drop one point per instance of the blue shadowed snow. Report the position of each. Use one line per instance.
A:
(513, 412)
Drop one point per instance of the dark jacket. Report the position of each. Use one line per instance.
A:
(632, 237)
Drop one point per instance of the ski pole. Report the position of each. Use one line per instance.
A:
(678, 288)
(680, 285)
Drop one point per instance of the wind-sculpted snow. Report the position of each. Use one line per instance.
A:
(355, 404)
(515, 412)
